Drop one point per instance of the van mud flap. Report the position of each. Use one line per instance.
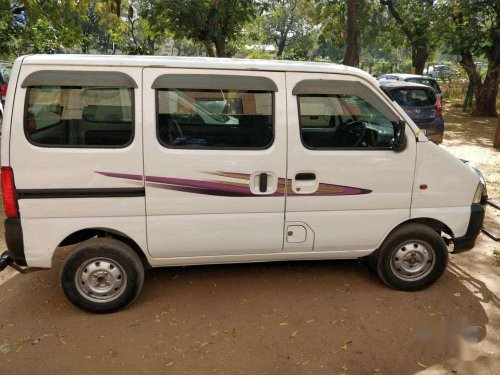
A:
(486, 231)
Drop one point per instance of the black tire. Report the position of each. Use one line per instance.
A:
(405, 250)
(102, 275)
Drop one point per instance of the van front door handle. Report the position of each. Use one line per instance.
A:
(308, 176)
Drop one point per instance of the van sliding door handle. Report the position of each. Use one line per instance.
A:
(263, 182)
(305, 176)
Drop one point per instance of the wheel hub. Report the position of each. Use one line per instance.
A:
(100, 280)
(412, 260)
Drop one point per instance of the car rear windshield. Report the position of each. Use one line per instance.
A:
(428, 82)
(413, 97)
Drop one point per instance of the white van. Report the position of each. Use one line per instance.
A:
(160, 161)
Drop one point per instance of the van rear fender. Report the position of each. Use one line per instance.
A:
(85, 234)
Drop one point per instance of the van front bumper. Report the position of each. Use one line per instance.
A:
(468, 241)
(14, 241)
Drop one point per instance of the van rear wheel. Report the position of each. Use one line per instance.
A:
(413, 257)
(102, 275)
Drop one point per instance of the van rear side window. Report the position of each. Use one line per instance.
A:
(79, 116)
(215, 119)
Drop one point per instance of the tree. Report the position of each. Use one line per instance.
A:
(282, 23)
(10, 33)
(417, 20)
(214, 23)
(474, 30)
(343, 23)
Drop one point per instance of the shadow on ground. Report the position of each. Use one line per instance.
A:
(313, 317)
(463, 129)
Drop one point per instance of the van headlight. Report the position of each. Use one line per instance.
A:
(478, 195)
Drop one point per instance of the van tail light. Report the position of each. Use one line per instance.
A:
(4, 91)
(9, 193)
(439, 107)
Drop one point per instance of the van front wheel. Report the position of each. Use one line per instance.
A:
(102, 275)
(413, 257)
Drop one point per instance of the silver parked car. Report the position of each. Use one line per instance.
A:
(439, 71)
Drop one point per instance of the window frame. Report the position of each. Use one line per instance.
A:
(200, 148)
(95, 147)
(311, 148)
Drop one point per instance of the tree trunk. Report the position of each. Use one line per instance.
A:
(486, 100)
(351, 54)
(419, 56)
(484, 92)
(220, 45)
(496, 142)
(281, 45)
(209, 48)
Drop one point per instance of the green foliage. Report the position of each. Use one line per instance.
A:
(257, 54)
(210, 22)
(383, 67)
(283, 23)
(45, 38)
(11, 38)
(471, 25)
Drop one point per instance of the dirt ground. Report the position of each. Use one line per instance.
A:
(330, 317)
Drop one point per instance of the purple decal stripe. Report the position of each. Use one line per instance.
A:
(241, 176)
(205, 185)
(233, 189)
(128, 176)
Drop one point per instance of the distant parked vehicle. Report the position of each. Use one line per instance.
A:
(4, 79)
(414, 78)
(438, 71)
(421, 104)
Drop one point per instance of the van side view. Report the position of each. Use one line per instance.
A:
(159, 161)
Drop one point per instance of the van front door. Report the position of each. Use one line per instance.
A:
(346, 188)
(214, 162)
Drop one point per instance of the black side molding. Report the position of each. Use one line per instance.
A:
(80, 193)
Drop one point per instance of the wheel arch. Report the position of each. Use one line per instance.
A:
(88, 233)
(434, 224)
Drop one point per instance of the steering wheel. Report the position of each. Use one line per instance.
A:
(353, 133)
(171, 125)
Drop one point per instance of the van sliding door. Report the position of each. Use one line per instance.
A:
(214, 161)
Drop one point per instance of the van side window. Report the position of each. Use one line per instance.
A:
(215, 119)
(79, 116)
(330, 121)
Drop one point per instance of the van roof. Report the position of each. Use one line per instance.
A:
(194, 62)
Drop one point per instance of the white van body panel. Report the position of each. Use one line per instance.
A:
(451, 184)
(7, 111)
(179, 228)
(43, 236)
(39, 167)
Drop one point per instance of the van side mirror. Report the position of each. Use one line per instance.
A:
(399, 136)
